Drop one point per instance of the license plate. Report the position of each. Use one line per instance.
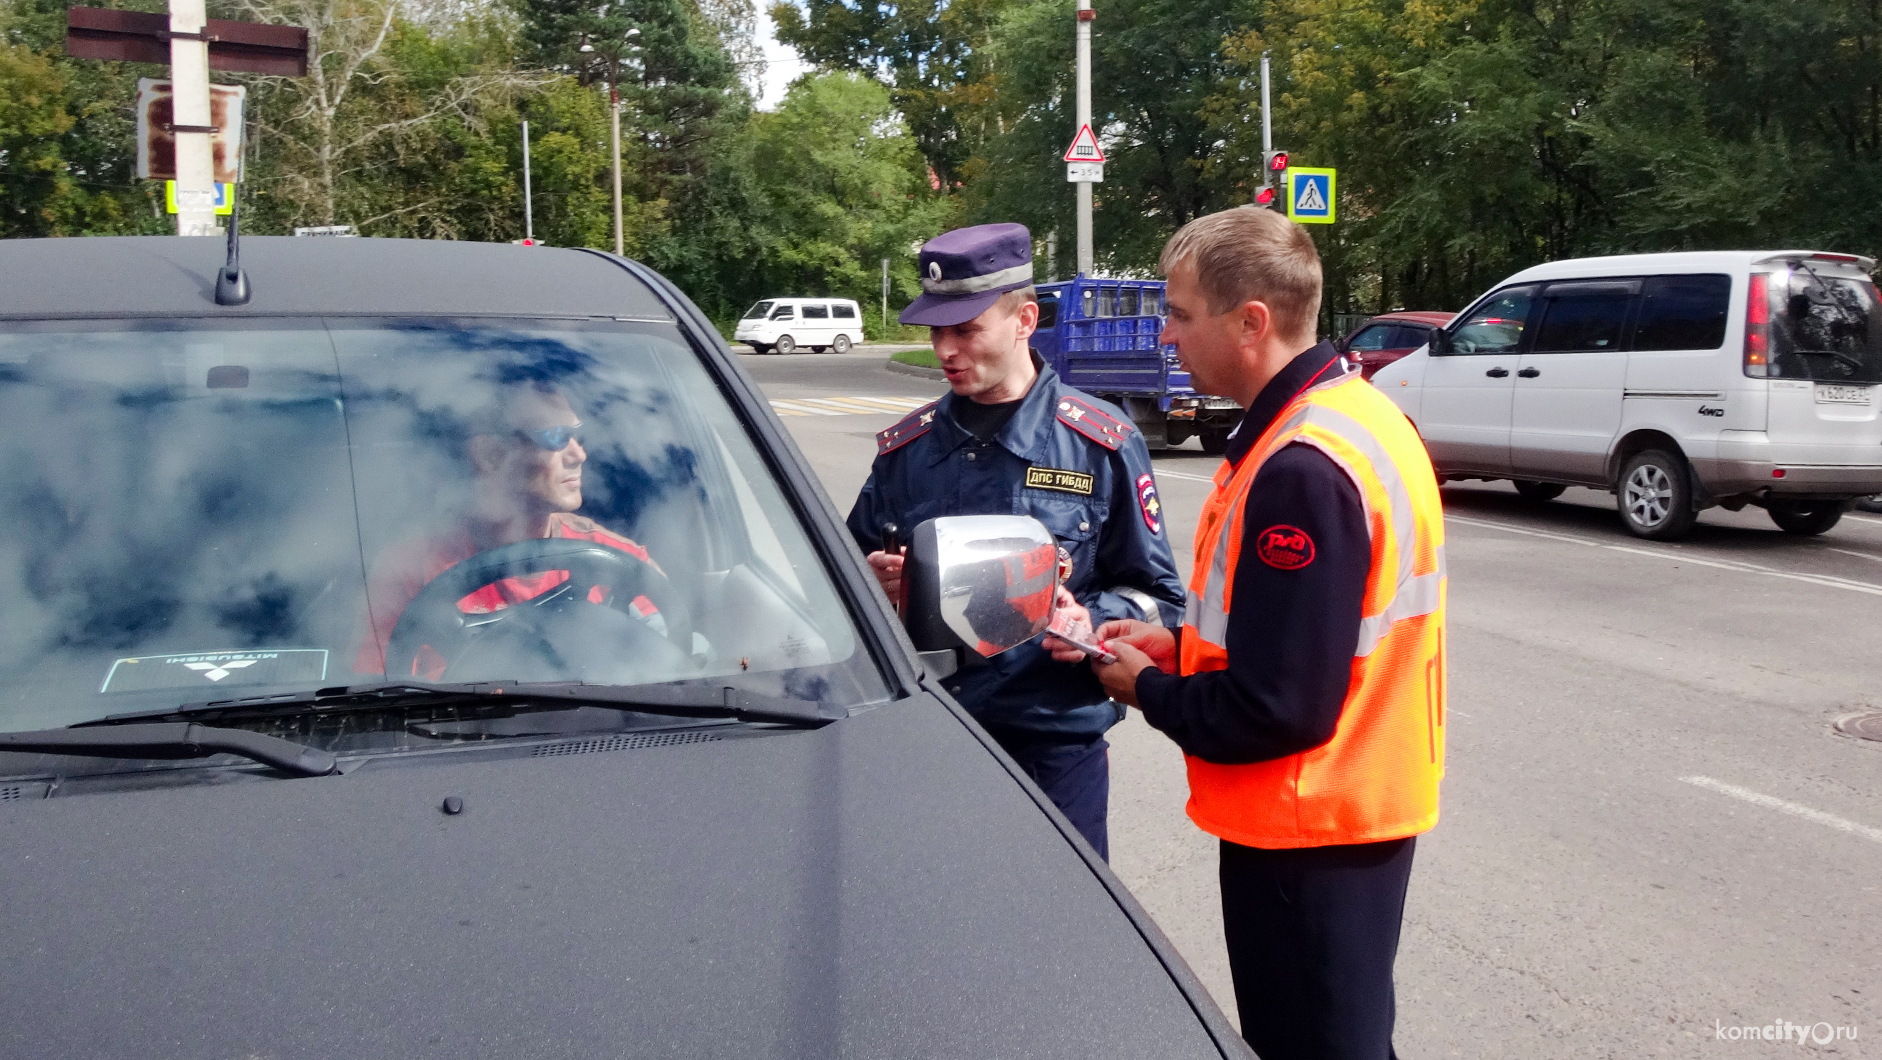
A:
(1843, 395)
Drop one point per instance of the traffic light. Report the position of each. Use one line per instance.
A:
(1273, 178)
(1264, 197)
(1276, 162)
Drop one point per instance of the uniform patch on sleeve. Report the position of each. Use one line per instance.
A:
(1284, 547)
(1053, 478)
(1148, 503)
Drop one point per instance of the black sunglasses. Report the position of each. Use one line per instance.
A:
(551, 439)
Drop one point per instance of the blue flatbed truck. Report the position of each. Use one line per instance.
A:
(1100, 335)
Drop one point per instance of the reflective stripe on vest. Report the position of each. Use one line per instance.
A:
(1377, 778)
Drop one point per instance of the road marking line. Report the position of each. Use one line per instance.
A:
(1184, 476)
(860, 404)
(801, 409)
(1826, 580)
(1859, 555)
(1770, 802)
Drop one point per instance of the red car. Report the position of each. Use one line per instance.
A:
(1389, 336)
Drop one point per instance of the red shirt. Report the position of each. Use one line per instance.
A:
(404, 569)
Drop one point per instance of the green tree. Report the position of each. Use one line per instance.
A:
(840, 185)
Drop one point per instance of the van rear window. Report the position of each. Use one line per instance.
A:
(843, 312)
(1824, 327)
(1683, 313)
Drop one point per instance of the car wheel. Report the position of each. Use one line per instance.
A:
(1215, 440)
(1806, 518)
(1655, 496)
(840, 344)
(1872, 503)
(785, 345)
(1538, 491)
(759, 348)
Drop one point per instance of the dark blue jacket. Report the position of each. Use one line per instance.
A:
(929, 466)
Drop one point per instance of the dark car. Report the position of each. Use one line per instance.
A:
(446, 653)
(1389, 336)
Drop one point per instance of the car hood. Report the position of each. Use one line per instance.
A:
(879, 888)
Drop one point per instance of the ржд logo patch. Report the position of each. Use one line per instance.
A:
(1284, 547)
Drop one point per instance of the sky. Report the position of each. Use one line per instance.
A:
(781, 63)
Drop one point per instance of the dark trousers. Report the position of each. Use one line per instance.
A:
(1312, 933)
(1077, 778)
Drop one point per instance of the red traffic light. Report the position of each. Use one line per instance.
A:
(1277, 161)
(1264, 197)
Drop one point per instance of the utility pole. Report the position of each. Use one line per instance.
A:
(1085, 15)
(529, 211)
(1267, 128)
(885, 299)
(190, 123)
(614, 108)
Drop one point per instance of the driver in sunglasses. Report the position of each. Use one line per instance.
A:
(526, 455)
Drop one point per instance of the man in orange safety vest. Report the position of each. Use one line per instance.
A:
(1306, 685)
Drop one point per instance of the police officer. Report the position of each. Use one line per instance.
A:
(1306, 688)
(1012, 439)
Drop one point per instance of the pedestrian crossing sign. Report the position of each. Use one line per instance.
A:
(1310, 195)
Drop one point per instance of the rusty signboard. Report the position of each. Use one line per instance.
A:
(143, 37)
(156, 138)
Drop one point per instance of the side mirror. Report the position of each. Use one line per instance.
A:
(983, 582)
(1440, 341)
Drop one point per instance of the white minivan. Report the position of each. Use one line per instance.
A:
(1676, 381)
(790, 324)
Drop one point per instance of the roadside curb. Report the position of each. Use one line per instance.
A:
(915, 369)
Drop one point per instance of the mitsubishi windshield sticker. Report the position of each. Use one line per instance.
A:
(267, 666)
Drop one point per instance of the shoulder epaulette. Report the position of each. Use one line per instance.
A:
(916, 424)
(1092, 422)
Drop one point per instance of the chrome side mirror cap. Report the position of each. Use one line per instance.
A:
(983, 582)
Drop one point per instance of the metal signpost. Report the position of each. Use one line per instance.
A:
(1089, 170)
(529, 211)
(885, 299)
(193, 44)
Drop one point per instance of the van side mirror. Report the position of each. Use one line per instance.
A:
(1440, 341)
(980, 582)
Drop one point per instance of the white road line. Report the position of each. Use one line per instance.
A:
(1185, 476)
(1874, 835)
(1858, 555)
(802, 410)
(857, 405)
(1826, 580)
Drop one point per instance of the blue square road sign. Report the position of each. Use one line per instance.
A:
(1310, 195)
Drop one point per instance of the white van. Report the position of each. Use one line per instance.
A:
(789, 324)
(1676, 381)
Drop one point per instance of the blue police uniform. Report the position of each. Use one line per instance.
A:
(1063, 457)
(1077, 465)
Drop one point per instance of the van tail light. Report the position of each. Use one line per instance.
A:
(1758, 325)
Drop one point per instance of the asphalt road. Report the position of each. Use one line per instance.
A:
(1652, 834)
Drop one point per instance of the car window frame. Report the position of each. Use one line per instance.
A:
(1534, 288)
(1564, 289)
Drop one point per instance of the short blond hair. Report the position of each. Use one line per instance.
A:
(1252, 254)
(1010, 302)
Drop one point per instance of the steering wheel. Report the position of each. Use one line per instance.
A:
(557, 635)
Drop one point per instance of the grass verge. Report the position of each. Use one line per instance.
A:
(918, 358)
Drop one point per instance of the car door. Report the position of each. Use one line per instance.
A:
(1566, 407)
(1464, 414)
(817, 330)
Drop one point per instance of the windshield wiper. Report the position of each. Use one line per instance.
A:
(183, 739)
(678, 701)
(1854, 362)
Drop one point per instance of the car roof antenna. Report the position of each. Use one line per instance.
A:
(231, 281)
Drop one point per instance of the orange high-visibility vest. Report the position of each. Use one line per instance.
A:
(1377, 778)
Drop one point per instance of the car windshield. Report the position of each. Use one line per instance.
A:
(194, 512)
(1829, 327)
(757, 311)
